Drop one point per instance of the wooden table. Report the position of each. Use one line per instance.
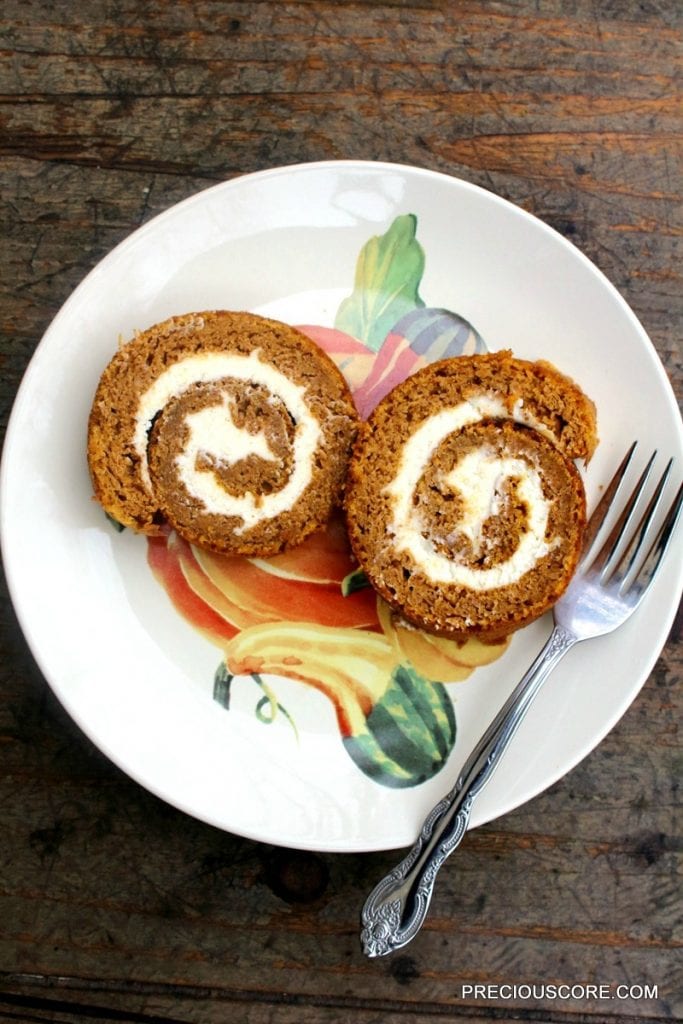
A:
(115, 907)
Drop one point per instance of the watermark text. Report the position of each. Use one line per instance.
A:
(552, 991)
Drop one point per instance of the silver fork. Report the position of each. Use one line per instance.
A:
(603, 594)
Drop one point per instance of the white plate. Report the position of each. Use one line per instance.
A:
(134, 674)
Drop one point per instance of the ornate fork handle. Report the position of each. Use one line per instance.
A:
(396, 908)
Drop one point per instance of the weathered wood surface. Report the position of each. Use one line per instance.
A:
(114, 906)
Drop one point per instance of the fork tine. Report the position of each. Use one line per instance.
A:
(601, 511)
(653, 559)
(607, 555)
(628, 559)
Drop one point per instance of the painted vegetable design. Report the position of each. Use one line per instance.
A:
(396, 725)
(306, 614)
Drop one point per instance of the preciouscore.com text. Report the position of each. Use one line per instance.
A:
(558, 991)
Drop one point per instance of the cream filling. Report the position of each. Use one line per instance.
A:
(479, 479)
(213, 431)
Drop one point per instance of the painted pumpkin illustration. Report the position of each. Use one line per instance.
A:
(307, 614)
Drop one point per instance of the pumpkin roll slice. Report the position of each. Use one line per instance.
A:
(463, 505)
(232, 428)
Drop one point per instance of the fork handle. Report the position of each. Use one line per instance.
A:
(396, 908)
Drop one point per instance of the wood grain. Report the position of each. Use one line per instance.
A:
(114, 906)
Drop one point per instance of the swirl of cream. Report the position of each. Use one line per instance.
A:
(478, 478)
(213, 431)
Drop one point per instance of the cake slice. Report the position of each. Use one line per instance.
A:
(232, 428)
(463, 503)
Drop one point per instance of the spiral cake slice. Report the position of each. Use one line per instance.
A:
(463, 505)
(233, 428)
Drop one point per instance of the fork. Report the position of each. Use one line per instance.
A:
(604, 592)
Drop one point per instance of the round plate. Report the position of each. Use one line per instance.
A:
(270, 757)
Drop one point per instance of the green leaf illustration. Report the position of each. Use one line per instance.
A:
(221, 686)
(119, 527)
(388, 275)
(356, 580)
